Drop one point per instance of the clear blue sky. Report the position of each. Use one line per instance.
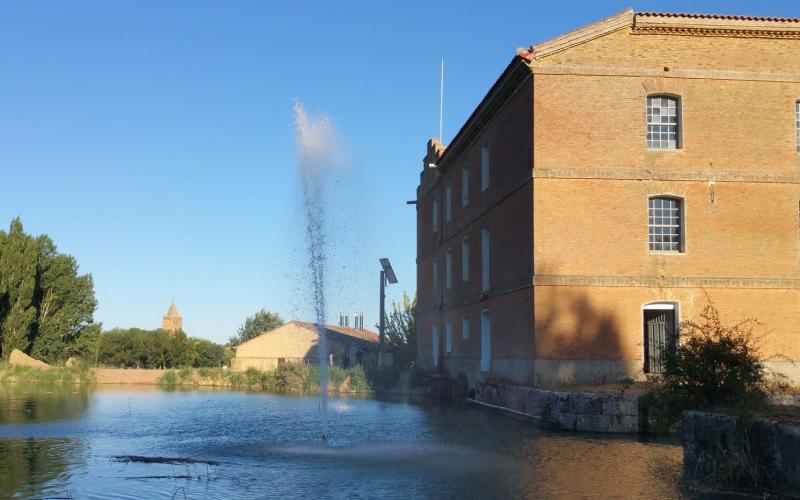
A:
(153, 140)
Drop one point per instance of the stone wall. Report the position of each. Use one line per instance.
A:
(573, 411)
(715, 444)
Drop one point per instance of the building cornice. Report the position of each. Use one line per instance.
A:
(668, 281)
(638, 174)
(709, 25)
(515, 74)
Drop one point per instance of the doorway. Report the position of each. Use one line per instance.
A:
(660, 334)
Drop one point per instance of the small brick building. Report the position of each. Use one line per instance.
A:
(609, 180)
(297, 341)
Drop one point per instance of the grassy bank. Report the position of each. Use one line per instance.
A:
(54, 375)
(291, 377)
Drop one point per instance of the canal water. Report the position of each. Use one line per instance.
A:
(60, 442)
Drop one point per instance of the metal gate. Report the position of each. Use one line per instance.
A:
(660, 336)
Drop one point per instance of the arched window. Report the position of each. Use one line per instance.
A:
(665, 224)
(486, 341)
(663, 122)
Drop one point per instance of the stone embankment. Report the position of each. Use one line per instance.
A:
(719, 446)
(574, 411)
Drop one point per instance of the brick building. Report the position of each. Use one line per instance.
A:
(297, 342)
(609, 179)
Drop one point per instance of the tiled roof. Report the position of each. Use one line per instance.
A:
(366, 335)
(722, 16)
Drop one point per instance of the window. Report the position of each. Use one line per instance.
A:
(448, 270)
(435, 345)
(464, 187)
(485, 167)
(797, 123)
(486, 341)
(465, 327)
(664, 227)
(465, 259)
(663, 122)
(435, 274)
(435, 215)
(448, 336)
(484, 260)
(448, 203)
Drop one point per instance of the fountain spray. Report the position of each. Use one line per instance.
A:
(317, 154)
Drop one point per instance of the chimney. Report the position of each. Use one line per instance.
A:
(346, 320)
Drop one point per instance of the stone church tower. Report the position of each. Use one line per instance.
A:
(172, 321)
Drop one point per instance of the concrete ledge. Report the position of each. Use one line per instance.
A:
(574, 411)
(555, 372)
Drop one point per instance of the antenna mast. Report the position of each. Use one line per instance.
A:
(441, 102)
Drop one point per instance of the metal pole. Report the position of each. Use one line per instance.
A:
(382, 321)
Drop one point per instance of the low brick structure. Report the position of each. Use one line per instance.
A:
(297, 341)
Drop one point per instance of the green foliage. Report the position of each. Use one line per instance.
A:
(401, 331)
(137, 348)
(714, 365)
(288, 377)
(46, 307)
(255, 325)
(53, 375)
(207, 353)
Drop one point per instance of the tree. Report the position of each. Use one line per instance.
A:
(401, 330)
(255, 325)
(18, 259)
(46, 307)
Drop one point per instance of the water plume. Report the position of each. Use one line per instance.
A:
(318, 152)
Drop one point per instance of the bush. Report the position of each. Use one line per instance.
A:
(713, 366)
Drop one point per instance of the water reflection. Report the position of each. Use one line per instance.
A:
(269, 446)
(38, 467)
(28, 403)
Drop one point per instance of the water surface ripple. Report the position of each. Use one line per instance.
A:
(59, 442)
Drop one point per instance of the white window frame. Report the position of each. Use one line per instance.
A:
(448, 203)
(465, 259)
(653, 226)
(485, 167)
(655, 125)
(486, 341)
(448, 270)
(448, 337)
(435, 345)
(435, 277)
(464, 187)
(465, 327)
(485, 260)
(797, 122)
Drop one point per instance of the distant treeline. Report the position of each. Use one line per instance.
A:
(137, 348)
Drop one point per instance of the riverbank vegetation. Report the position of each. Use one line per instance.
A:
(289, 377)
(138, 348)
(77, 373)
(713, 366)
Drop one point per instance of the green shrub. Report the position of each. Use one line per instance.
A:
(169, 378)
(713, 366)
